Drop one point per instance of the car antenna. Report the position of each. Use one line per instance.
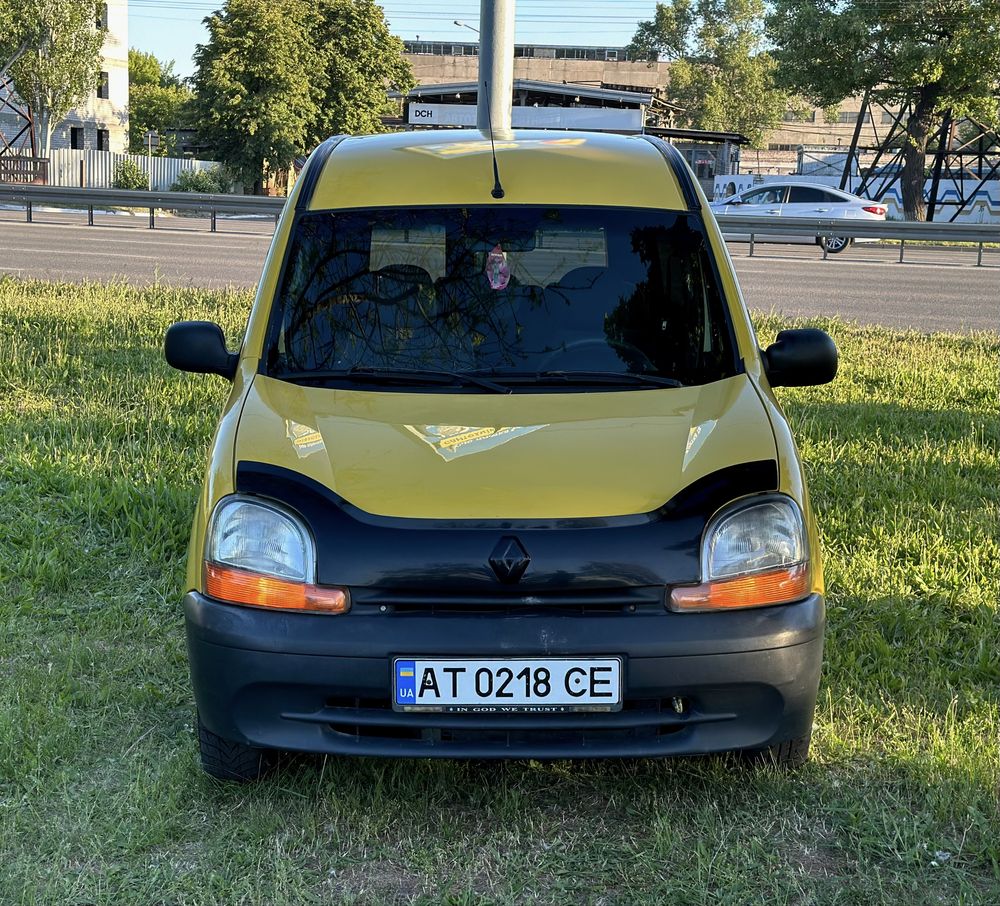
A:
(498, 191)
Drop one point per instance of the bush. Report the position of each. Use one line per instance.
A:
(129, 175)
(213, 181)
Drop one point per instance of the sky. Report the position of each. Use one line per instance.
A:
(171, 28)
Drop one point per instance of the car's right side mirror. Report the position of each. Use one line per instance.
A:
(199, 347)
(801, 358)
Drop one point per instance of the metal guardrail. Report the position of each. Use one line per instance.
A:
(89, 199)
(821, 228)
(730, 224)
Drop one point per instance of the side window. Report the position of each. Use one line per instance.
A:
(772, 195)
(806, 195)
(830, 198)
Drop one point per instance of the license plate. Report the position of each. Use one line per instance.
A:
(504, 686)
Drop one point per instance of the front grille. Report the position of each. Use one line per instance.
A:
(639, 720)
(602, 603)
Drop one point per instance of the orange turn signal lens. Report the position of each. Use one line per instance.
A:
(777, 586)
(241, 586)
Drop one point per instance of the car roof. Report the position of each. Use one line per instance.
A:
(454, 167)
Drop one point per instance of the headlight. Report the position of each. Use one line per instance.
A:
(753, 554)
(260, 554)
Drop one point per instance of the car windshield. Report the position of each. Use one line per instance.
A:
(501, 291)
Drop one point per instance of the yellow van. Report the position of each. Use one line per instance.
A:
(501, 474)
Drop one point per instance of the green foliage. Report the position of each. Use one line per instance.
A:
(719, 72)
(62, 64)
(213, 181)
(129, 175)
(361, 58)
(667, 35)
(275, 78)
(936, 55)
(158, 100)
(256, 97)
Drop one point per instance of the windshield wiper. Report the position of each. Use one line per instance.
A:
(634, 378)
(610, 377)
(415, 376)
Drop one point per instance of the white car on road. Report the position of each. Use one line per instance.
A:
(798, 198)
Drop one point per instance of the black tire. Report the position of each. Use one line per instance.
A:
(232, 761)
(787, 755)
(834, 245)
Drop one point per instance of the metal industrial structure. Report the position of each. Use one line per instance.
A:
(966, 156)
(18, 160)
(98, 123)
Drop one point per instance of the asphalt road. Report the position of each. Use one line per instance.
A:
(934, 290)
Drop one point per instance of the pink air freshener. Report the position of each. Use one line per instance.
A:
(497, 271)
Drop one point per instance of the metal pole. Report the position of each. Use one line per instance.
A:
(496, 67)
(853, 150)
(944, 140)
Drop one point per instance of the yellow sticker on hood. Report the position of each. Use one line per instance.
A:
(452, 441)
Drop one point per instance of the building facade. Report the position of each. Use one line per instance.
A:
(100, 123)
(438, 62)
(598, 67)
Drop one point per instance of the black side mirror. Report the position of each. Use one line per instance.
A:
(801, 358)
(199, 347)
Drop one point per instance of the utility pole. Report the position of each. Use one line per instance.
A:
(152, 141)
(496, 67)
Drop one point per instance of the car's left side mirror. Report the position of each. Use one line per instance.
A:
(199, 347)
(801, 358)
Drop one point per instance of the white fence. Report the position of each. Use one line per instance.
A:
(96, 169)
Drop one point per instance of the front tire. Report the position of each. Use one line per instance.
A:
(834, 245)
(232, 761)
(786, 756)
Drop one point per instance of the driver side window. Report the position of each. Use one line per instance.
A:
(773, 195)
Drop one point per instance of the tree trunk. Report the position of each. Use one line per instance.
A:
(43, 131)
(919, 127)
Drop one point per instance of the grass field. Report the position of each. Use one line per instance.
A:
(101, 797)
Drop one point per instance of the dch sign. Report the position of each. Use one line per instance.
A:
(594, 118)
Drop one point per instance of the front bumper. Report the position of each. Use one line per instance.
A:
(316, 683)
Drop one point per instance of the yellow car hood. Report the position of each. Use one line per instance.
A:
(497, 456)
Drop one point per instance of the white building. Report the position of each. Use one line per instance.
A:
(100, 123)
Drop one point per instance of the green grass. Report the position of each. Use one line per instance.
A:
(101, 797)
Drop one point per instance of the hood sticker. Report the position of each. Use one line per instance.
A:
(497, 269)
(305, 440)
(452, 441)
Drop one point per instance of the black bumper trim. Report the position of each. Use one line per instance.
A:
(577, 720)
(322, 684)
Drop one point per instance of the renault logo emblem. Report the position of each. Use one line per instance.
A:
(509, 560)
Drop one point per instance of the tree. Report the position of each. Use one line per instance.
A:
(277, 77)
(158, 100)
(60, 60)
(719, 71)
(361, 59)
(256, 96)
(935, 55)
